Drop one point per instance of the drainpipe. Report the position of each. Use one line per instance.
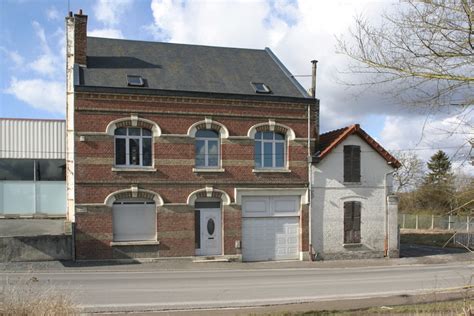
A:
(385, 242)
(308, 108)
(313, 95)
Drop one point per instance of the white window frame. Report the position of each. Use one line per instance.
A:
(127, 138)
(206, 151)
(273, 142)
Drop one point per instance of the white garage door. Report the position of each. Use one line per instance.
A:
(134, 220)
(270, 229)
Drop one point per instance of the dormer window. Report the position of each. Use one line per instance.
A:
(136, 81)
(261, 87)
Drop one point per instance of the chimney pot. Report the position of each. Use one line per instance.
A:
(70, 14)
(80, 11)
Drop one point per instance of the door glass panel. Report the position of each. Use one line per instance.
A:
(200, 153)
(211, 226)
(134, 131)
(146, 151)
(119, 151)
(258, 154)
(207, 133)
(121, 131)
(213, 159)
(134, 151)
(268, 135)
(267, 155)
(279, 136)
(279, 155)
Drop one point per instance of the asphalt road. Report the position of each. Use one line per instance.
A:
(191, 289)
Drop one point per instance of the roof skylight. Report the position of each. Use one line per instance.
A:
(261, 87)
(133, 80)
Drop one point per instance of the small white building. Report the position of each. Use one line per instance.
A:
(353, 214)
(32, 168)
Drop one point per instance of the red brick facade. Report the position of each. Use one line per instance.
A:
(174, 156)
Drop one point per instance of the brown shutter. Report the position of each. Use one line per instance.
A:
(355, 163)
(347, 163)
(347, 221)
(351, 163)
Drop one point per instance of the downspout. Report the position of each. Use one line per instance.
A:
(385, 242)
(313, 95)
(311, 256)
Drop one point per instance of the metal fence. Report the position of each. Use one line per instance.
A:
(437, 222)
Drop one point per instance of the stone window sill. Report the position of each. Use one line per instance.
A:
(199, 170)
(131, 169)
(355, 245)
(135, 243)
(271, 170)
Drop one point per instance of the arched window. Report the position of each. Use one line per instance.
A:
(133, 147)
(270, 150)
(207, 148)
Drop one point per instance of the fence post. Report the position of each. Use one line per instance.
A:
(449, 222)
(403, 221)
(416, 221)
(468, 222)
(432, 221)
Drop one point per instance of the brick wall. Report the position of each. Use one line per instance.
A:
(174, 157)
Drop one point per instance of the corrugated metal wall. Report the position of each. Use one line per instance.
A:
(38, 139)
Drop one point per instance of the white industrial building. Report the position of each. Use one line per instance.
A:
(32, 168)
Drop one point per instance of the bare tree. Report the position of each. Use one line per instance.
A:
(427, 49)
(410, 174)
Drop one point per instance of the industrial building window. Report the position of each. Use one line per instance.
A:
(270, 150)
(352, 222)
(351, 163)
(133, 147)
(207, 149)
(33, 186)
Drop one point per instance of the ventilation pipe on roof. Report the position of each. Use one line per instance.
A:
(313, 78)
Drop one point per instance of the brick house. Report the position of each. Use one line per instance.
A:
(185, 150)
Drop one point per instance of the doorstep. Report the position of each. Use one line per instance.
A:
(209, 259)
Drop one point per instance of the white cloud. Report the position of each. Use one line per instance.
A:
(53, 14)
(39, 93)
(425, 136)
(106, 32)
(109, 12)
(14, 57)
(47, 62)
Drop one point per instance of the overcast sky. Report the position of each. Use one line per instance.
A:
(32, 56)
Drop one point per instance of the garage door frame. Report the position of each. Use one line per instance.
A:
(266, 215)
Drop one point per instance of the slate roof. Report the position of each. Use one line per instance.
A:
(328, 141)
(180, 67)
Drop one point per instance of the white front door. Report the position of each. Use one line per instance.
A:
(210, 232)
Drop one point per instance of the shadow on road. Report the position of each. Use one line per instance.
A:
(414, 250)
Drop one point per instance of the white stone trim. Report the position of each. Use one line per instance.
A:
(290, 133)
(110, 129)
(240, 192)
(223, 132)
(110, 199)
(209, 190)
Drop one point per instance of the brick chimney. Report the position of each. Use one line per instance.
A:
(78, 23)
